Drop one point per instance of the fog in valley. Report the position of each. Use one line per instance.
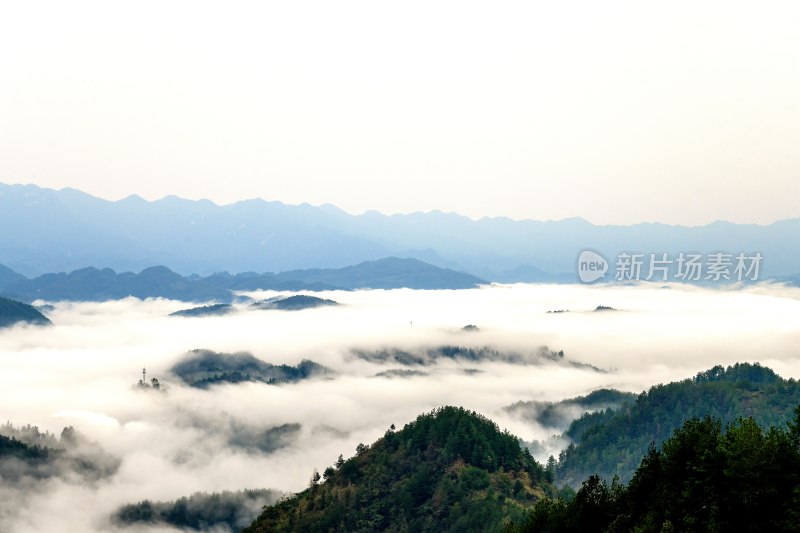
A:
(383, 350)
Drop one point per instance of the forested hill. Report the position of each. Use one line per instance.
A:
(29, 455)
(449, 470)
(704, 478)
(612, 442)
(217, 512)
(12, 312)
(204, 368)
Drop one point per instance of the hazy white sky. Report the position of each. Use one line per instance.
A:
(619, 112)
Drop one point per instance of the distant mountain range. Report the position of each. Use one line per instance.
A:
(43, 230)
(92, 284)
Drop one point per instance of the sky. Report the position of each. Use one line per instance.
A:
(618, 112)
(79, 372)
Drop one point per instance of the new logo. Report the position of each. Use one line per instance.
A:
(591, 266)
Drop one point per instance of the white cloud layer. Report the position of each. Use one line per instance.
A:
(80, 371)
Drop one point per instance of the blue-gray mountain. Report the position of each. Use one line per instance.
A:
(42, 230)
(92, 284)
(13, 312)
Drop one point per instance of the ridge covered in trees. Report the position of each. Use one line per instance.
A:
(293, 303)
(702, 478)
(201, 511)
(13, 312)
(559, 415)
(203, 368)
(727, 462)
(205, 310)
(431, 355)
(612, 442)
(26, 453)
(450, 470)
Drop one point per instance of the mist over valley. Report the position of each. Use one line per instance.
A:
(259, 399)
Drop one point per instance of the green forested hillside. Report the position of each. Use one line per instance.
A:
(612, 442)
(200, 511)
(559, 415)
(695, 465)
(450, 470)
(204, 368)
(27, 454)
(702, 479)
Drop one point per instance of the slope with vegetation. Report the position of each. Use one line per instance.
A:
(28, 454)
(218, 511)
(450, 470)
(701, 479)
(203, 368)
(431, 355)
(293, 303)
(559, 415)
(612, 442)
(13, 312)
(205, 310)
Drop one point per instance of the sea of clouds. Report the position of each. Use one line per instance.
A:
(81, 370)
